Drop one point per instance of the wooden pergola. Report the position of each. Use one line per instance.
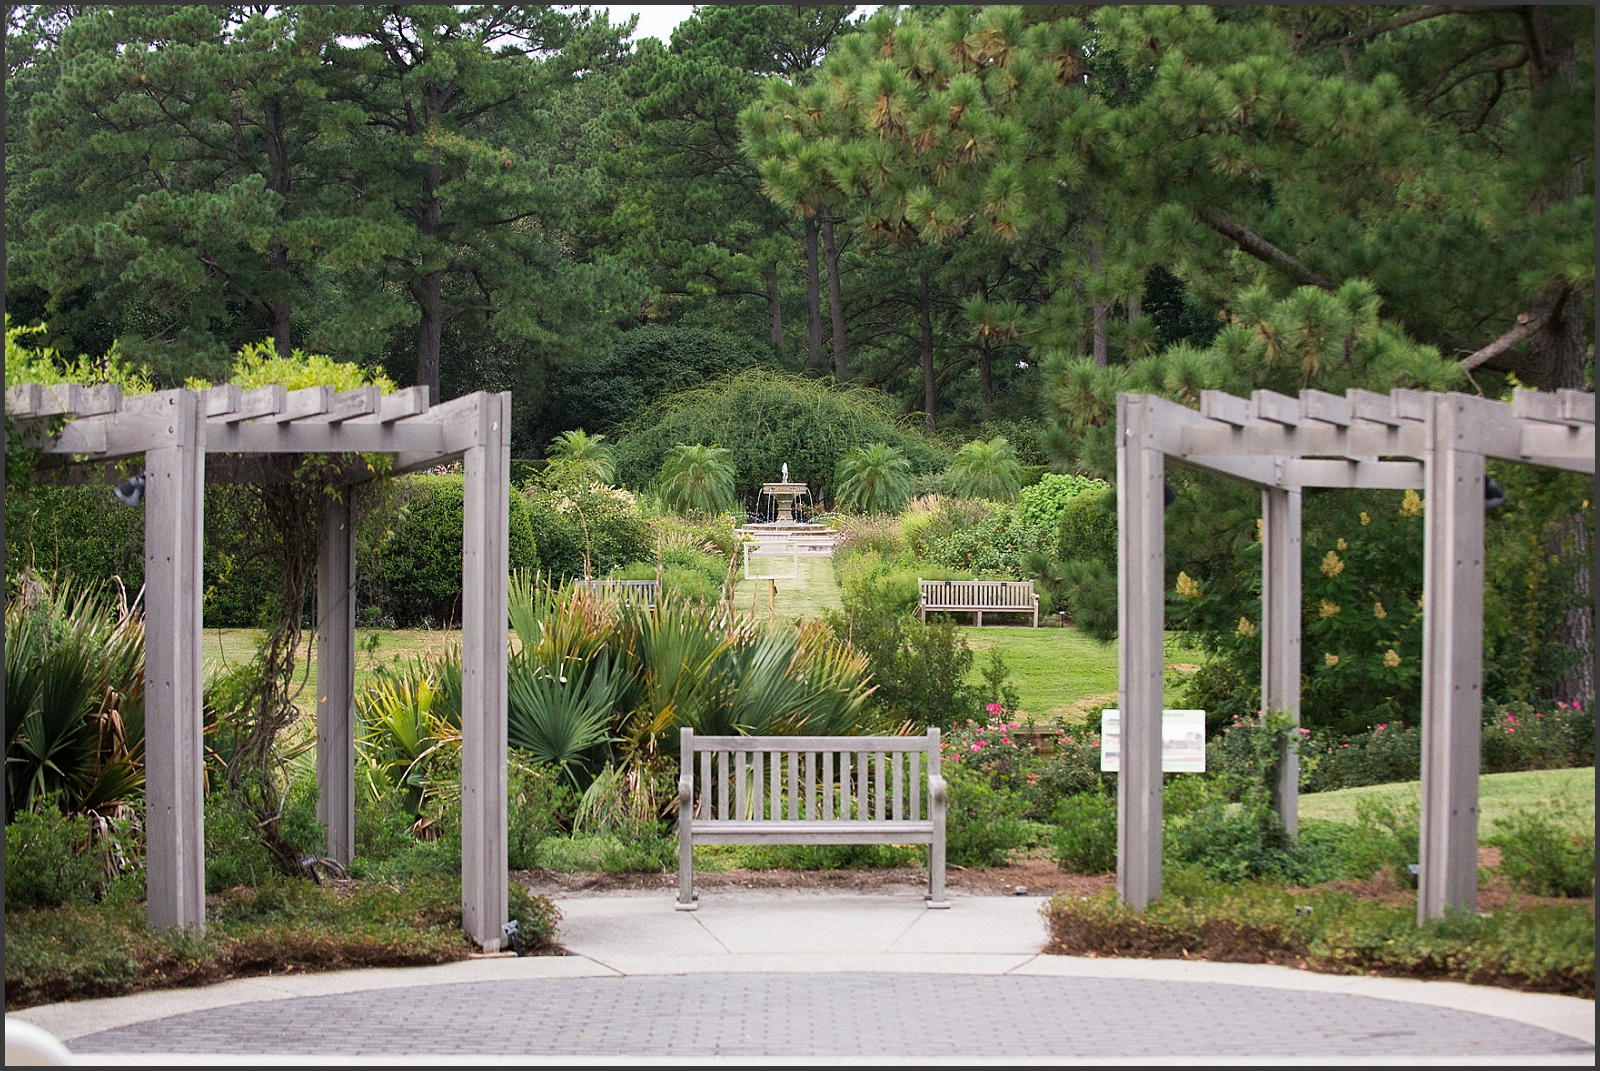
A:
(1433, 443)
(247, 435)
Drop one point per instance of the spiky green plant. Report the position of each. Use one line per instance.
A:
(697, 479)
(74, 697)
(874, 478)
(986, 469)
(581, 457)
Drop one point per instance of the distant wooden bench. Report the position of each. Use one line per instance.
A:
(977, 597)
(627, 591)
(810, 790)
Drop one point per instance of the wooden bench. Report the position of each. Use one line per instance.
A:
(977, 597)
(810, 790)
(628, 591)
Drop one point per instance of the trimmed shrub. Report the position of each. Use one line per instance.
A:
(235, 852)
(1086, 834)
(602, 524)
(982, 824)
(1543, 857)
(47, 860)
(415, 563)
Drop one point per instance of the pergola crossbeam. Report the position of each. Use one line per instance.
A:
(253, 435)
(1408, 439)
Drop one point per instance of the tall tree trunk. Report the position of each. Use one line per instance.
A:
(1556, 351)
(1135, 306)
(1577, 628)
(986, 380)
(277, 252)
(774, 310)
(930, 395)
(429, 293)
(1097, 311)
(813, 291)
(841, 363)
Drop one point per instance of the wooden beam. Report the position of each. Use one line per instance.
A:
(1554, 446)
(1370, 406)
(347, 405)
(1141, 561)
(336, 667)
(1411, 405)
(1280, 637)
(1327, 408)
(1278, 408)
(1351, 473)
(267, 437)
(1308, 440)
(1452, 660)
(412, 401)
(261, 402)
(223, 399)
(1577, 406)
(306, 402)
(484, 568)
(174, 501)
(1220, 405)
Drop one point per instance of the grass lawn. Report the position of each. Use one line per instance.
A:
(1061, 673)
(1565, 793)
(815, 592)
(374, 647)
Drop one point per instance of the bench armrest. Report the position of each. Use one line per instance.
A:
(938, 790)
(685, 791)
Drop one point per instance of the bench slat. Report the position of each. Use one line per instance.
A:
(882, 778)
(809, 743)
(899, 791)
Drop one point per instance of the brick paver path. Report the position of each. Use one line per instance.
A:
(837, 1014)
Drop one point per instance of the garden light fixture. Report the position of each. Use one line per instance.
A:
(1494, 496)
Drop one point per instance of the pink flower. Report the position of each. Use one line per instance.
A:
(1560, 704)
(1537, 714)
(1344, 745)
(976, 746)
(1509, 730)
(1383, 726)
(1305, 732)
(1013, 724)
(1004, 740)
(994, 708)
(1576, 705)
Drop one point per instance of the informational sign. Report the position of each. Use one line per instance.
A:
(1183, 741)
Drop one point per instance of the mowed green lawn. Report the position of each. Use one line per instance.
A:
(1059, 673)
(815, 592)
(1566, 795)
(374, 647)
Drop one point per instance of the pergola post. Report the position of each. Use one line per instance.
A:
(485, 563)
(1280, 636)
(1452, 658)
(174, 496)
(336, 625)
(1141, 566)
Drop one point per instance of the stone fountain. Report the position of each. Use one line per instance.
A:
(786, 532)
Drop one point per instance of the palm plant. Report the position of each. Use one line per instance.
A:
(697, 479)
(408, 717)
(74, 698)
(875, 478)
(581, 457)
(986, 469)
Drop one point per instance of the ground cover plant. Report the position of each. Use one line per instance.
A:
(1544, 948)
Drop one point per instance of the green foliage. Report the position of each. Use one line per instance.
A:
(982, 824)
(585, 530)
(49, 861)
(1086, 834)
(875, 478)
(920, 672)
(415, 559)
(74, 698)
(1549, 948)
(236, 854)
(582, 458)
(766, 420)
(648, 363)
(697, 479)
(1543, 857)
(986, 469)
(283, 924)
(1042, 504)
(1517, 736)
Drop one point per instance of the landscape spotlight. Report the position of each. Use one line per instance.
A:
(1494, 496)
(130, 491)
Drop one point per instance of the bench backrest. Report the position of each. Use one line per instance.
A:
(977, 594)
(626, 590)
(810, 778)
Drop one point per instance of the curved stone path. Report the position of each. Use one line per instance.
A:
(837, 1015)
(797, 974)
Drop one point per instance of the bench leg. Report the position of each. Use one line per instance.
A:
(980, 618)
(936, 900)
(687, 901)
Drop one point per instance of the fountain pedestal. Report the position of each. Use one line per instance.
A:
(783, 495)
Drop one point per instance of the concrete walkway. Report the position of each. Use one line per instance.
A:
(798, 973)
